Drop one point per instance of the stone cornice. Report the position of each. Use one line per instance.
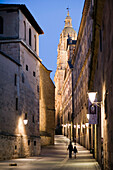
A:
(10, 58)
(24, 44)
(81, 28)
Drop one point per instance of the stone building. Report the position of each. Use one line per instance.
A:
(81, 60)
(101, 80)
(47, 106)
(20, 82)
(60, 75)
(66, 92)
(92, 71)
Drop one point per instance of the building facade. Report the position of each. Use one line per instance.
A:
(67, 93)
(61, 74)
(20, 83)
(47, 107)
(81, 60)
(91, 71)
(101, 79)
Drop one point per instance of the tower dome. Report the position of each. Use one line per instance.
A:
(68, 29)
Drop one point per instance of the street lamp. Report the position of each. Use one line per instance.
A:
(25, 119)
(92, 96)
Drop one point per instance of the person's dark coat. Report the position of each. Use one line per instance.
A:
(75, 149)
(70, 148)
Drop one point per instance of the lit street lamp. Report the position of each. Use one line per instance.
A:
(25, 119)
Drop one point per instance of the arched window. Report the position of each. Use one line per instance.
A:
(30, 36)
(1, 25)
(24, 30)
(35, 41)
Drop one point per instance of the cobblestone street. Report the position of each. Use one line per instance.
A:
(54, 157)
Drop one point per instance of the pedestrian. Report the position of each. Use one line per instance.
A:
(75, 150)
(70, 148)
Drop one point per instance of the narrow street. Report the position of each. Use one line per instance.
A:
(54, 157)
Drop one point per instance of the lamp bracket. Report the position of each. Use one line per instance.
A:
(98, 103)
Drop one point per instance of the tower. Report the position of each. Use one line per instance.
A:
(62, 59)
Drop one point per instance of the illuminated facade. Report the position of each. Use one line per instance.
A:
(101, 80)
(92, 71)
(20, 83)
(47, 107)
(81, 60)
(61, 82)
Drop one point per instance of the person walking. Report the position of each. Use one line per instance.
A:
(70, 148)
(75, 150)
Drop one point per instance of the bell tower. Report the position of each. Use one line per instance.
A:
(62, 59)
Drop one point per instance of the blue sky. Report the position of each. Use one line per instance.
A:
(50, 15)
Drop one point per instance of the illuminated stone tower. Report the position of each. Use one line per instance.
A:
(62, 59)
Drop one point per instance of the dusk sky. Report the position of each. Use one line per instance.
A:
(50, 15)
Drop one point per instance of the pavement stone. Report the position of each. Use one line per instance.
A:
(54, 157)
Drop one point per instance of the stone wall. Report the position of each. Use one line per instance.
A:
(47, 104)
(19, 88)
(103, 85)
(81, 61)
(45, 140)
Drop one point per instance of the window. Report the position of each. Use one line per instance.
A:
(16, 103)
(33, 120)
(34, 74)
(34, 143)
(30, 36)
(35, 41)
(15, 80)
(1, 25)
(24, 30)
(22, 78)
(25, 115)
(27, 67)
(28, 142)
(38, 88)
(15, 147)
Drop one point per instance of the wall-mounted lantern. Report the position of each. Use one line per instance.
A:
(69, 124)
(25, 119)
(87, 124)
(74, 126)
(83, 125)
(92, 96)
(78, 126)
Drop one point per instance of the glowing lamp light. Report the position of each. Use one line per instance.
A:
(83, 125)
(88, 116)
(92, 96)
(78, 126)
(87, 124)
(74, 126)
(25, 121)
